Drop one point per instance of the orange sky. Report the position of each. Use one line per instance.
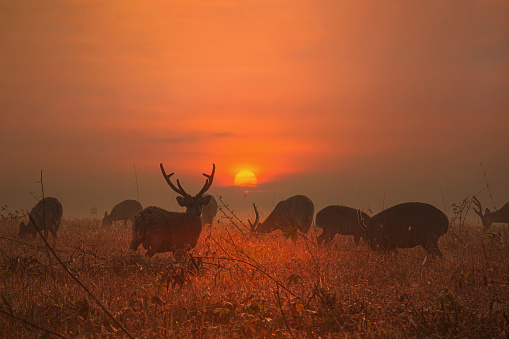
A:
(344, 101)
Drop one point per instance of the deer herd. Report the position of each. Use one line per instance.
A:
(404, 225)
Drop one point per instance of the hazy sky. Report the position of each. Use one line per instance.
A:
(357, 102)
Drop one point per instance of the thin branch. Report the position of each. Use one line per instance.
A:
(32, 324)
(231, 212)
(44, 225)
(279, 283)
(19, 242)
(7, 303)
(136, 180)
(487, 185)
(358, 193)
(49, 248)
(281, 310)
(443, 199)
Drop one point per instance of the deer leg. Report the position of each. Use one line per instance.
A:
(323, 237)
(133, 246)
(135, 242)
(53, 231)
(356, 239)
(431, 247)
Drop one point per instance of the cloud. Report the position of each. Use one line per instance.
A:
(175, 140)
(189, 139)
(222, 135)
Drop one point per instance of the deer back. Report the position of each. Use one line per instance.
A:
(296, 211)
(46, 214)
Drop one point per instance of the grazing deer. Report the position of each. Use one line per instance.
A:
(343, 220)
(501, 216)
(125, 210)
(46, 215)
(209, 211)
(162, 231)
(295, 211)
(405, 226)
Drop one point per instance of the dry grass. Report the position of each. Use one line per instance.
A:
(253, 286)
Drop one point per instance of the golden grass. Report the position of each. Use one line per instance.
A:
(253, 286)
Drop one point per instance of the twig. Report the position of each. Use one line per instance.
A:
(225, 252)
(487, 186)
(231, 212)
(443, 199)
(49, 248)
(6, 303)
(44, 225)
(32, 324)
(314, 292)
(358, 192)
(317, 265)
(231, 220)
(487, 261)
(19, 242)
(136, 180)
(281, 310)
(239, 250)
(415, 310)
(279, 283)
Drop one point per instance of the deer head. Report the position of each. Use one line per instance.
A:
(486, 218)
(192, 204)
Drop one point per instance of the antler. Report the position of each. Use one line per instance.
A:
(208, 182)
(179, 190)
(253, 225)
(360, 220)
(478, 204)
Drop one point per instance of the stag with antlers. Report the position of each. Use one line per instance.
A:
(163, 231)
(488, 218)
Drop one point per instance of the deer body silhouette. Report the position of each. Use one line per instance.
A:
(336, 219)
(163, 231)
(296, 211)
(407, 225)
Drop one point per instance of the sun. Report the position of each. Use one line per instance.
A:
(245, 178)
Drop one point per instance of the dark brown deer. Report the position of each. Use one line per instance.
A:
(405, 226)
(209, 211)
(488, 218)
(336, 219)
(296, 211)
(125, 210)
(46, 215)
(163, 231)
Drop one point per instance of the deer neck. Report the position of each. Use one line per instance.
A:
(192, 219)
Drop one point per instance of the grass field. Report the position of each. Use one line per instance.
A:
(237, 285)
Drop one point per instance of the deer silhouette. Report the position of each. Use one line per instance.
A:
(488, 218)
(162, 231)
(296, 211)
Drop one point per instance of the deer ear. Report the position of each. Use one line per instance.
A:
(206, 200)
(181, 201)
